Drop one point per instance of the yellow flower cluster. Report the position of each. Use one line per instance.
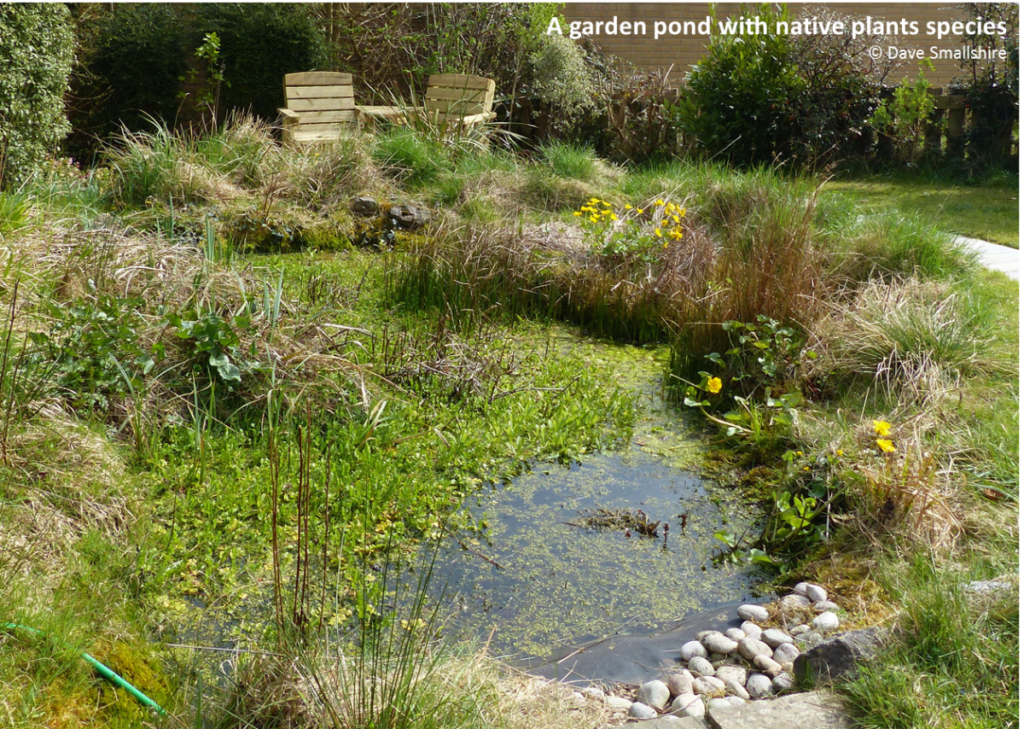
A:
(672, 219)
(882, 429)
(596, 214)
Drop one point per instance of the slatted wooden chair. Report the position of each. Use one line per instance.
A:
(455, 100)
(321, 107)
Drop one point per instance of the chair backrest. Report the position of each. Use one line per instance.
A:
(456, 96)
(322, 99)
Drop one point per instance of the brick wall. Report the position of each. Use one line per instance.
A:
(681, 52)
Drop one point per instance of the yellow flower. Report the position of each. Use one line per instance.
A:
(594, 219)
(714, 385)
(660, 202)
(882, 427)
(886, 445)
(613, 216)
(607, 205)
(657, 232)
(839, 452)
(577, 213)
(628, 206)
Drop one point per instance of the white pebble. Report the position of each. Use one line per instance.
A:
(680, 683)
(707, 685)
(800, 588)
(715, 642)
(653, 693)
(826, 622)
(736, 634)
(719, 704)
(593, 692)
(617, 703)
(767, 665)
(751, 629)
(737, 689)
(639, 710)
(754, 613)
(816, 593)
(785, 653)
(688, 705)
(750, 647)
(731, 673)
(691, 649)
(783, 682)
(793, 602)
(759, 686)
(825, 605)
(774, 638)
(701, 666)
(799, 629)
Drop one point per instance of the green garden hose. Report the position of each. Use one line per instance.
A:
(101, 669)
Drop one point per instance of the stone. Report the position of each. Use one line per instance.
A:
(720, 703)
(617, 703)
(731, 673)
(593, 692)
(816, 593)
(736, 700)
(799, 629)
(775, 637)
(753, 613)
(767, 665)
(737, 689)
(838, 655)
(715, 642)
(679, 683)
(811, 710)
(735, 634)
(750, 647)
(669, 721)
(639, 710)
(654, 693)
(783, 682)
(707, 685)
(751, 629)
(785, 653)
(759, 686)
(800, 588)
(363, 205)
(409, 217)
(825, 605)
(794, 602)
(691, 649)
(700, 635)
(811, 638)
(826, 621)
(986, 587)
(688, 705)
(701, 666)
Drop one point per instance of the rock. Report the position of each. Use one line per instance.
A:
(715, 642)
(799, 629)
(679, 683)
(691, 649)
(707, 685)
(753, 613)
(688, 705)
(767, 665)
(639, 710)
(668, 721)
(826, 622)
(759, 686)
(751, 629)
(701, 666)
(578, 697)
(783, 682)
(825, 605)
(409, 217)
(720, 703)
(800, 588)
(750, 647)
(736, 634)
(593, 692)
(811, 638)
(794, 602)
(774, 638)
(654, 693)
(816, 593)
(736, 700)
(617, 703)
(365, 206)
(813, 710)
(700, 635)
(731, 673)
(737, 689)
(838, 655)
(985, 587)
(785, 653)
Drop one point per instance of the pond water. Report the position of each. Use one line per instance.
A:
(539, 583)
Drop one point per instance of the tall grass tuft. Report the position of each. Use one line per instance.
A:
(570, 161)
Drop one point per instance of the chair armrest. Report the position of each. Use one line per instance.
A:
(477, 118)
(287, 115)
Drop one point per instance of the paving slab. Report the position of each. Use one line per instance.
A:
(810, 710)
(991, 255)
(667, 722)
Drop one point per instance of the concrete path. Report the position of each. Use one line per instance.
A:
(990, 255)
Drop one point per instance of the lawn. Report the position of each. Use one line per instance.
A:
(988, 212)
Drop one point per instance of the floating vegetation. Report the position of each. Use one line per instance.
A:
(632, 521)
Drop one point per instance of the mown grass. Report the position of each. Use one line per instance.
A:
(985, 211)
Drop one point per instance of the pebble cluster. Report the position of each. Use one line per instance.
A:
(731, 668)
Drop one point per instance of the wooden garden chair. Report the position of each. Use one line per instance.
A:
(456, 100)
(321, 107)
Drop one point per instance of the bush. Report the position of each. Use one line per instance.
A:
(767, 98)
(132, 60)
(36, 53)
(259, 44)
